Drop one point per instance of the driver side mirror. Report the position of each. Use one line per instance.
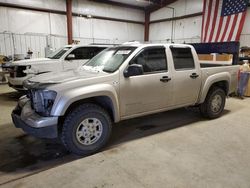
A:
(70, 57)
(133, 70)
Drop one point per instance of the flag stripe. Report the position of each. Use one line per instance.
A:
(230, 25)
(204, 8)
(219, 29)
(214, 20)
(208, 19)
(216, 28)
(233, 27)
(225, 29)
(241, 26)
(237, 26)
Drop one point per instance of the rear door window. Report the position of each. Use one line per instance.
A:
(183, 58)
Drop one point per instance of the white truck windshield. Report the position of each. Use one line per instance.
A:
(59, 53)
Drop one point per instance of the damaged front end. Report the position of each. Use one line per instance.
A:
(32, 112)
(42, 100)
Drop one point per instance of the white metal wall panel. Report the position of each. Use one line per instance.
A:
(245, 36)
(182, 7)
(135, 32)
(192, 27)
(3, 19)
(246, 28)
(162, 31)
(82, 27)
(58, 24)
(22, 21)
(193, 6)
(101, 9)
(104, 29)
(110, 29)
(49, 4)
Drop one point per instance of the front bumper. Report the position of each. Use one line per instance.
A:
(17, 82)
(23, 116)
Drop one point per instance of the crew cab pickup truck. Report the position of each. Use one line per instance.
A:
(65, 58)
(80, 106)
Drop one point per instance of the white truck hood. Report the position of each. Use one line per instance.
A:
(34, 61)
(65, 76)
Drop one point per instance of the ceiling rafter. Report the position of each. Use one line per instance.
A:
(125, 5)
(158, 4)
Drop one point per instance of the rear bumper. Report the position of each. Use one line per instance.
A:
(25, 118)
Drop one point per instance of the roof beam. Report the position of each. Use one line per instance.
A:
(124, 5)
(69, 20)
(177, 18)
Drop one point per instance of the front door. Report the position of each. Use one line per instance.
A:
(148, 92)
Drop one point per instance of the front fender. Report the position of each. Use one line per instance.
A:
(223, 76)
(67, 98)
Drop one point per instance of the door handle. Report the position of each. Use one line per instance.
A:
(194, 75)
(165, 79)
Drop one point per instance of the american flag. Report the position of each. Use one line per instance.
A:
(223, 20)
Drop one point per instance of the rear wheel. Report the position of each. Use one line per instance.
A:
(214, 103)
(86, 129)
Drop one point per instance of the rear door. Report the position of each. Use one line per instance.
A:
(186, 76)
(81, 56)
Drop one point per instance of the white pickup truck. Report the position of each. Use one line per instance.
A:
(123, 82)
(65, 58)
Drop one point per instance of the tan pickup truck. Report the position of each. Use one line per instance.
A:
(120, 83)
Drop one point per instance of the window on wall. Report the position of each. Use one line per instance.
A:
(183, 58)
(151, 59)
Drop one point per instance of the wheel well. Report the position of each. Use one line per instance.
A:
(221, 84)
(103, 101)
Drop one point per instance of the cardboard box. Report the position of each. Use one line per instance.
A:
(224, 57)
(205, 57)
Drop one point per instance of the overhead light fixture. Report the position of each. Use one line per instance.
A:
(89, 16)
(145, 1)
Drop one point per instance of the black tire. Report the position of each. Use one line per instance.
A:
(75, 119)
(207, 110)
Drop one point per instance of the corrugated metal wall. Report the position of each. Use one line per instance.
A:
(22, 29)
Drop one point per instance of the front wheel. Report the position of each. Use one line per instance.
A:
(214, 103)
(86, 129)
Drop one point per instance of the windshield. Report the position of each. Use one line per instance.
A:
(58, 53)
(110, 59)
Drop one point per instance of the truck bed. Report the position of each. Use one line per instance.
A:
(209, 70)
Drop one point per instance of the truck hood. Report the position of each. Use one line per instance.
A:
(34, 61)
(65, 76)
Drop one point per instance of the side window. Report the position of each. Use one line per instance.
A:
(152, 59)
(95, 51)
(86, 52)
(81, 53)
(183, 58)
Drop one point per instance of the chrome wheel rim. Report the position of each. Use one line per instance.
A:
(89, 131)
(216, 103)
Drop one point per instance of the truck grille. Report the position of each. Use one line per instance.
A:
(12, 71)
(17, 71)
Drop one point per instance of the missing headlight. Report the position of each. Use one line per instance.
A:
(43, 101)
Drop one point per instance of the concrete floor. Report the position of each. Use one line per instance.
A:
(172, 149)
